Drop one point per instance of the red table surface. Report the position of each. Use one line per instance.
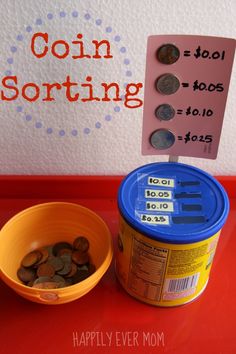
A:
(107, 319)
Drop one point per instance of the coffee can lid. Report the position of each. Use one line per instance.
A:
(173, 202)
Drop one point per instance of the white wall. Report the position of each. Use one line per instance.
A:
(32, 140)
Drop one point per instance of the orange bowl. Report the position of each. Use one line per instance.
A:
(46, 224)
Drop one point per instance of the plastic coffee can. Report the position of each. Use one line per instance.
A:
(170, 219)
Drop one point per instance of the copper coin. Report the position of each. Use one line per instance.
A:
(56, 263)
(59, 279)
(168, 54)
(31, 258)
(80, 258)
(64, 251)
(73, 270)
(42, 280)
(60, 245)
(45, 269)
(80, 276)
(47, 285)
(167, 84)
(81, 243)
(45, 255)
(91, 269)
(67, 265)
(26, 274)
(69, 281)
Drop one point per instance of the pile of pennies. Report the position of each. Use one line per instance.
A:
(57, 266)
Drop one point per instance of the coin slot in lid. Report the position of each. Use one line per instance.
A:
(188, 219)
(189, 183)
(183, 195)
(191, 207)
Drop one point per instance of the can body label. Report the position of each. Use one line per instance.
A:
(160, 273)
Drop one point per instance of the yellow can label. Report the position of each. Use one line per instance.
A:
(159, 273)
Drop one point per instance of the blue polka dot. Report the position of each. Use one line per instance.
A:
(74, 132)
(86, 130)
(87, 16)
(117, 38)
(122, 97)
(8, 72)
(50, 16)
(109, 29)
(19, 108)
(108, 118)
(19, 38)
(98, 125)
(10, 60)
(98, 22)
(49, 130)
(123, 50)
(38, 125)
(126, 61)
(62, 14)
(75, 14)
(62, 132)
(28, 29)
(128, 73)
(125, 84)
(28, 117)
(13, 49)
(117, 109)
(38, 21)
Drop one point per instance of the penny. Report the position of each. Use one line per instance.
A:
(47, 285)
(167, 84)
(73, 271)
(69, 281)
(81, 243)
(80, 275)
(60, 245)
(52, 267)
(80, 258)
(42, 280)
(165, 112)
(67, 265)
(91, 268)
(59, 279)
(64, 251)
(162, 139)
(45, 255)
(56, 263)
(49, 249)
(26, 274)
(168, 54)
(45, 269)
(31, 258)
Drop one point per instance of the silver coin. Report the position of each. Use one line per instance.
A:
(167, 84)
(162, 139)
(168, 54)
(165, 112)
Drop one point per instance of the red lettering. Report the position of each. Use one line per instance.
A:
(68, 84)
(36, 95)
(44, 36)
(15, 89)
(98, 45)
(66, 52)
(129, 93)
(107, 87)
(49, 88)
(90, 87)
(81, 48)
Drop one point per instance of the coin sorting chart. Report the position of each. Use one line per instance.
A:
(186, 87)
